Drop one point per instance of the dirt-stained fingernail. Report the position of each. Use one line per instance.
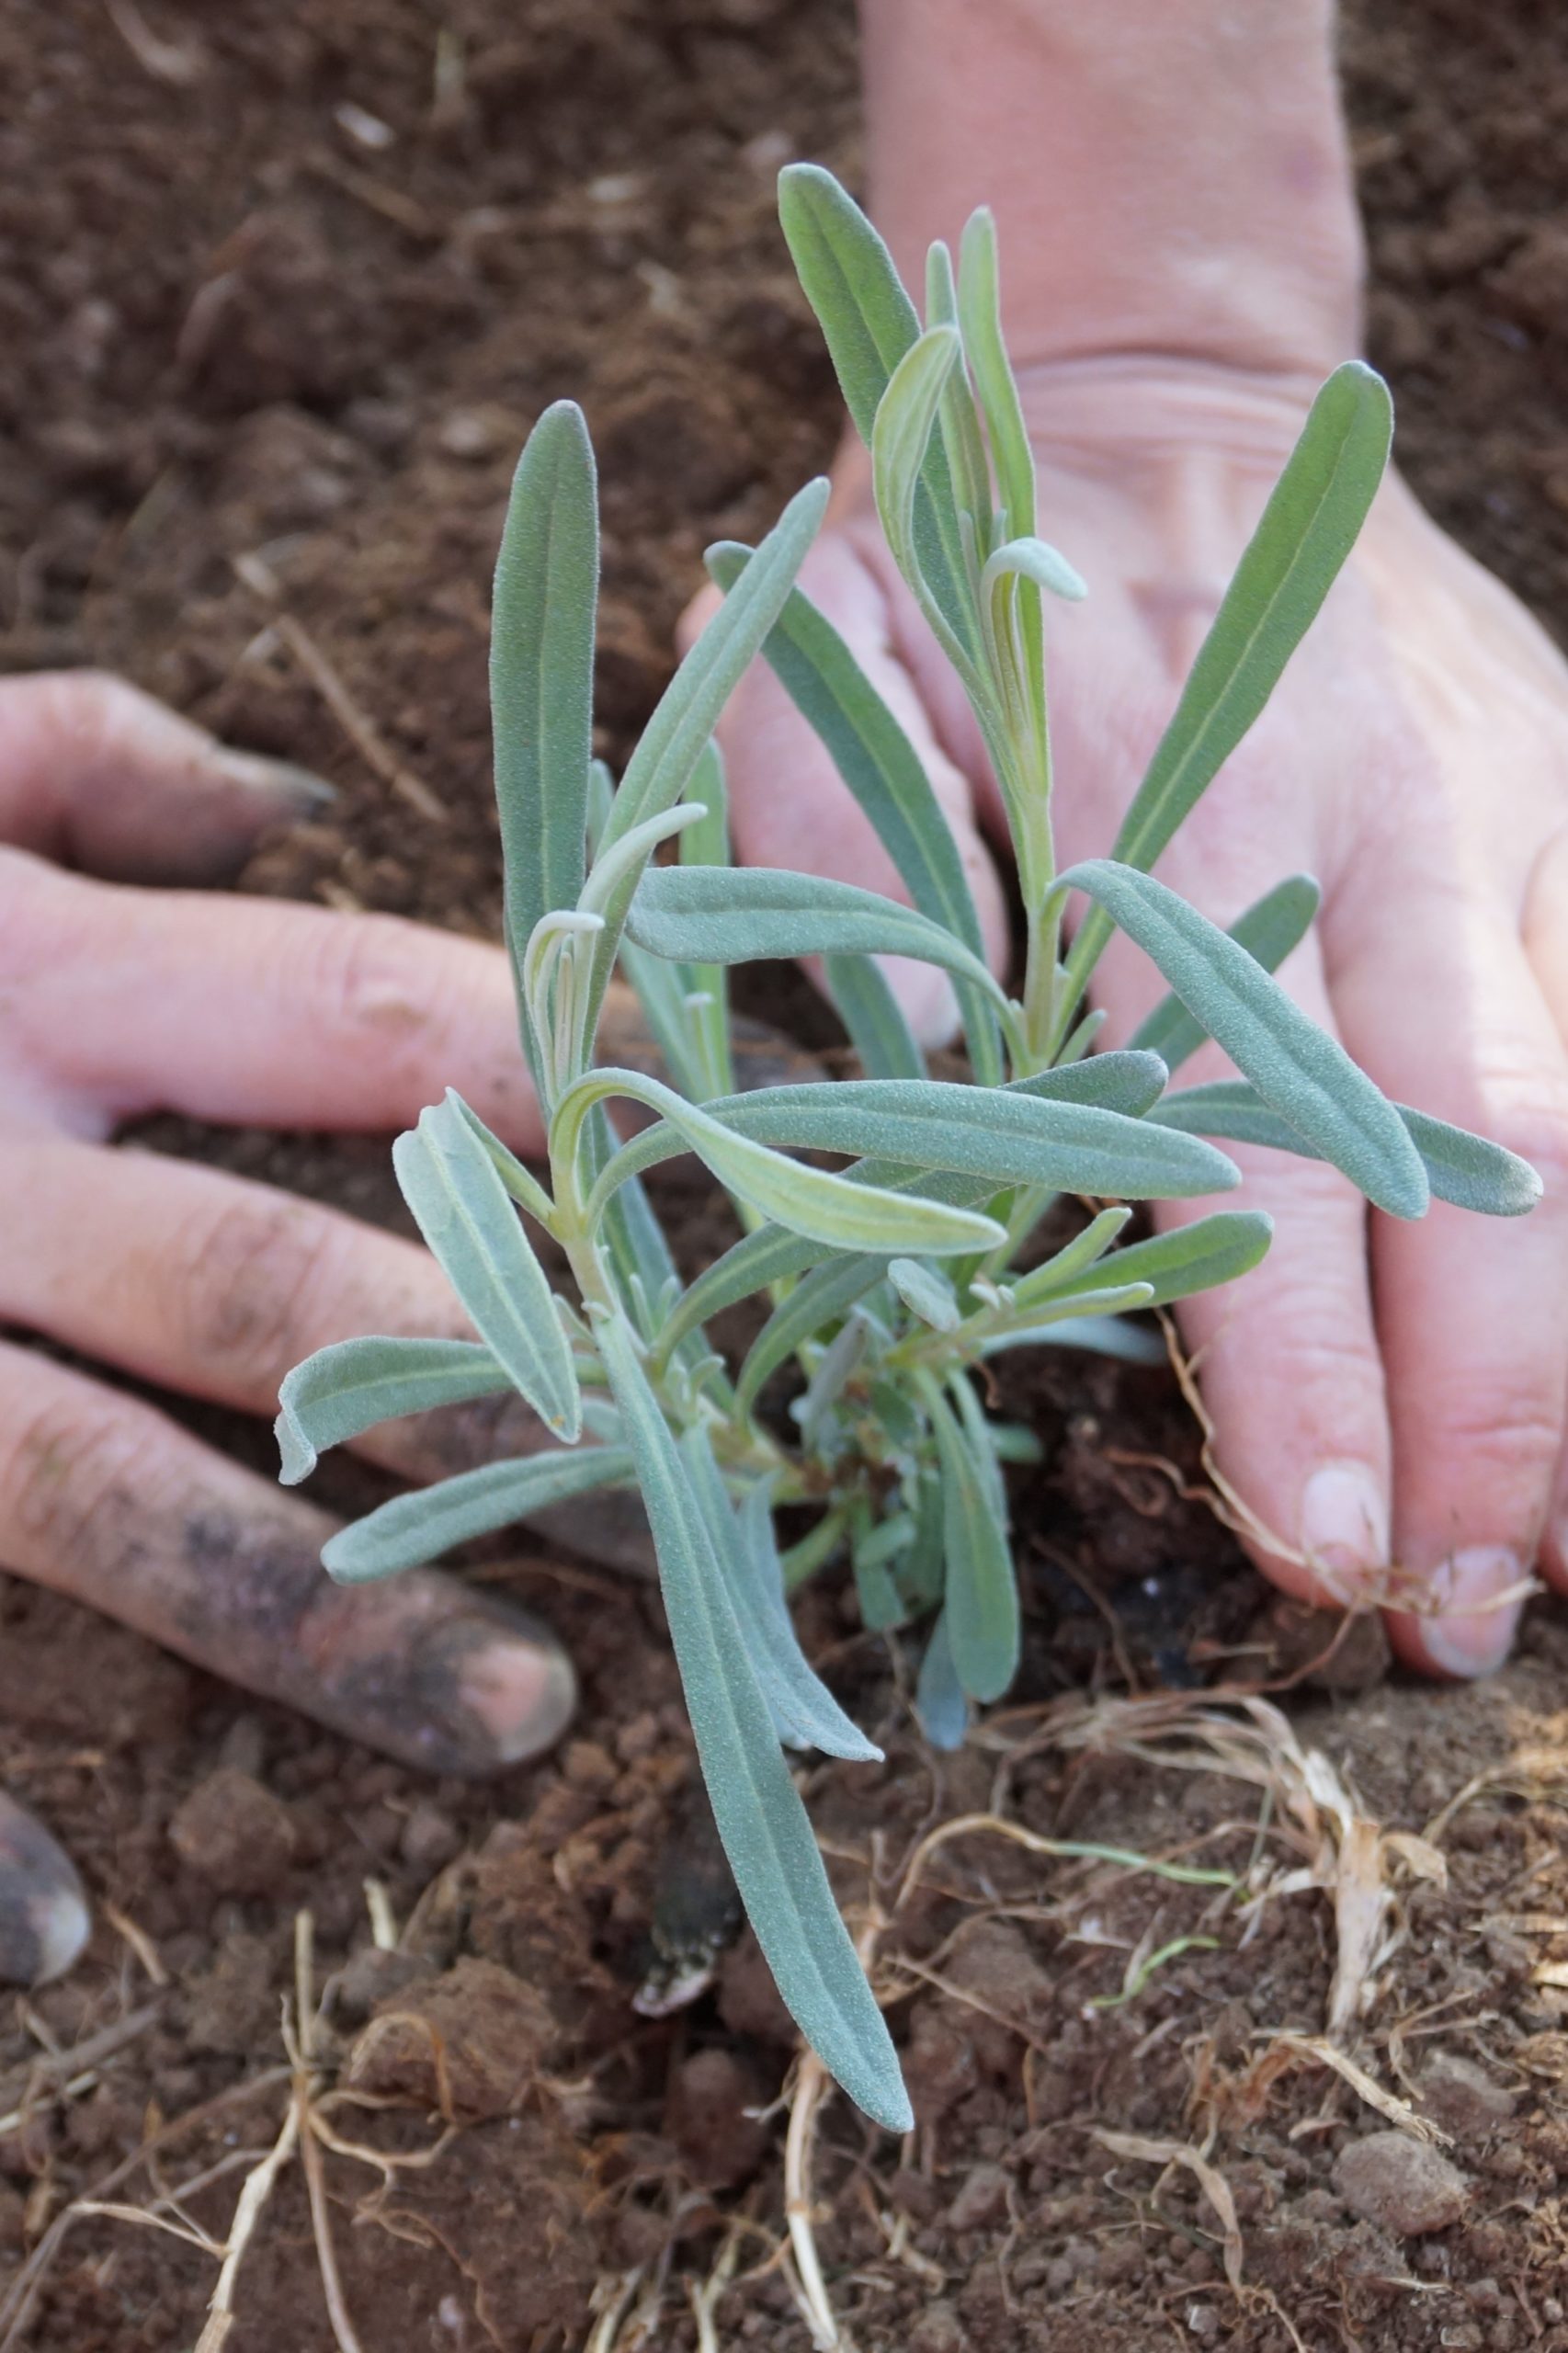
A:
(523, 1692)
(44, 1920)
(298, 790)
(1475, 1631)
(1344, 1525)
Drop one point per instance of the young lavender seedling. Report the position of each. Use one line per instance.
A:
(893, 1281)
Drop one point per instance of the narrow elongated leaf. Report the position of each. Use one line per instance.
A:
(808, 1201)
(1095, 1307)
(868, 323)
(1307, 529)
(1124, 1082)
(1005, 1135)
(461, 1208)
(708, 985)
(804, 1711)
(674, 740)
(962, 441)
(1083, 1251)
(739, 915)
(428, 1521)
(826, 1294)
(883, 770)
(1190, 1258)
(872, 1016)
(1269, 929)
(939, 1700)
(349, 1387)
(926, 1293)
(901, 439)
(982, 1614)
(1460, 1167)
(769, 1256)
(1298, 1069)
(980, 316)
(541, 669)
(761, 1820)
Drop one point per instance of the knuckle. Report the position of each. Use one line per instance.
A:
(247, 1281)
(367, 985)
(70, 1474)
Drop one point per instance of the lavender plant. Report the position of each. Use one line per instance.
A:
(891, 1280)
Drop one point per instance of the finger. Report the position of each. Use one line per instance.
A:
(791, 808)
(1290, 1366)
(1441, 1006)
(43, 1913)
(1545, 933)
(255, 1011)
(103, 1499)
(95, 774)
(214, 1287)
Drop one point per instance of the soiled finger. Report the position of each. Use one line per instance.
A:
(43, 1913)
(95, 774)
(103, 1499)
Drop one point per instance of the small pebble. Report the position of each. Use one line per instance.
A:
(981, 2201)
(1400, 2184)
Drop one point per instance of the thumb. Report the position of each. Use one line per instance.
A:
(790, 807)
(97, 774)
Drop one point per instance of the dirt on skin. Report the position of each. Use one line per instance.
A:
(294, 282)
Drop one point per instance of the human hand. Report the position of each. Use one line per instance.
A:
(1382, 1392)
(116, 1001)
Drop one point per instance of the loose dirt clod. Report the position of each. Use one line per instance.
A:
(234, 1833)
(1401, 2185)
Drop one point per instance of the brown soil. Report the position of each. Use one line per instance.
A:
(230, 326)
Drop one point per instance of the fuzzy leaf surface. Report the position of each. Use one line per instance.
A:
(761, 1820)
(1269, 929)
(347, 1388)
(468, 1219)
(1297, 1068)
(427, 1521)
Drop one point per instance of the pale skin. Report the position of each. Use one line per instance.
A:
(1383, 1396)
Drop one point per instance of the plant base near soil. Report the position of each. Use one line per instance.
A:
(350, 402)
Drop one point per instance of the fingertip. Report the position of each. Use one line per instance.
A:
(1477, 1599)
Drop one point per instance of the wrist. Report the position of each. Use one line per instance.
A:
(1179, 188)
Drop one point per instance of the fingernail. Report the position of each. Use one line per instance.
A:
(299, 789)
(44, 1919)
(524, 1693)
(1470, 1638)
(1344, 1524)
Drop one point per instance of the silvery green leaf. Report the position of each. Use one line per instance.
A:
(926, 1293)
(868, 322)
(901, 439)
(873, 1017)
(1461, 1168)
(1125, 1082)
(962, 442)
(525, 1188)
(1084, 1250)
(349, 1387)
(1307, 529)
(1471, 1171)
(1005, 1135)
(981, 1613)
(939, 1701)
(428, 1521)
(812, 1201)
(881, 1604)
(1269, 929)
(708, 985)
(661, 769)
(743, 915)
(819, 1298)
(462, 1209)
(1297, 1068)
(541, 668)
(1037, 560)
(1114, 1298)
(768, 1255)
(980, 316)
(883, 770)
(804, 1713)
(761, 1820)
(1190, 1259)
(1104, 1336)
